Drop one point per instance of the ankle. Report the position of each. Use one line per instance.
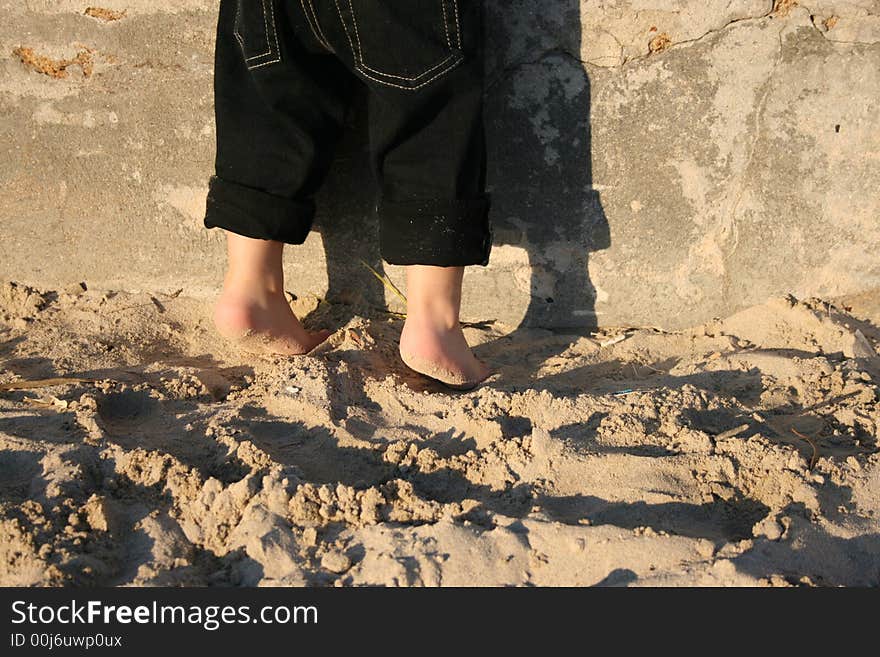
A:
(432, 319)
(254, 266)
(434, 296)
(253, 283)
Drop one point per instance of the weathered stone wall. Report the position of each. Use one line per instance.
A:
(652, 163)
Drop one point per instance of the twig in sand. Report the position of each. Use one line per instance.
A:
(154, 302)
(614, 340)
(42, 383)
(483, 323)
(390, 312)
(730, 433)
(815, 457)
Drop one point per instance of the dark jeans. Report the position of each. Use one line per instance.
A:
(284, 75)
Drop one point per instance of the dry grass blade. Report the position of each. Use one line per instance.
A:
(385, 281)
(42, 383)
(815, 457)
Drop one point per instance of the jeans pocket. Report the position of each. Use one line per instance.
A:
(256, 32)
(402, 43)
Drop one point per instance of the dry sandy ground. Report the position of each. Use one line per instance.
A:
(629, 457)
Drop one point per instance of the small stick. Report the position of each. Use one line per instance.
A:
(385, 311)
(42, 383)
(730, 433)
(815, 457)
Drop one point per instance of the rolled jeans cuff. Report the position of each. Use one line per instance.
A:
(439, 232)
(258, 214)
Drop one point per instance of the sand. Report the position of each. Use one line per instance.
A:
(739, 452)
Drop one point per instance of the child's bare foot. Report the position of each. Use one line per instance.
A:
(263, 324)
(441, 353)
(432, 342)
(252, 309)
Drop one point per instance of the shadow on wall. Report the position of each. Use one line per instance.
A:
(540, 156)
(537, 117)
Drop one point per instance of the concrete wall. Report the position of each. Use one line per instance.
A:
(655, 163)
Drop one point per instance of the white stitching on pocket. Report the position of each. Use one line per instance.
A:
(363, 67)
(314, 25)
(238, 36)
(235, 29)
(457, 25)
(446, 24)
(399, 77)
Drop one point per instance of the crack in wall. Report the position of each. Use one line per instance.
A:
(510, 69)
(777, 11)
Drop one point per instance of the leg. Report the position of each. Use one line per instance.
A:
(430, 158)
(423, 63)
(279, 105)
